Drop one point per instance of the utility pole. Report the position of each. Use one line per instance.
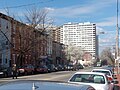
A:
(117, 35)
(117, 40)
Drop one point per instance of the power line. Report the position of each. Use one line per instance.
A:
(24, 5)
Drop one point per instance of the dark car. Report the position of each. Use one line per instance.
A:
(41, 69)
(37, 85)
(79, 66)
(60, 67)
(51, 68)
(26, 69)
(5, 71)
(69, 67)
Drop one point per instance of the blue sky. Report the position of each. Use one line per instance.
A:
(101, 12)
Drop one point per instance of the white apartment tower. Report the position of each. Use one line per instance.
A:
(80, 34)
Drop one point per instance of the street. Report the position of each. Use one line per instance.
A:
(62, 76)
(54, 76)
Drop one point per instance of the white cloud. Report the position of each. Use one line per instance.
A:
(88, 8)
(110, 21)
(49, 9)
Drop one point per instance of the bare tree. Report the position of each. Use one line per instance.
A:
(106, 55)
(37, 24)
(24, 42)
(39, 21)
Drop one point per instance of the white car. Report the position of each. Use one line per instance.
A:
(97, 80)
(105, 71)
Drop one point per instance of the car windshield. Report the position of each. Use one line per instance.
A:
(88, 78)
(105, 72)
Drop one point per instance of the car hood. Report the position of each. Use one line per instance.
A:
(40, 85)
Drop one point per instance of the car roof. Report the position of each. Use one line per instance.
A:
(90, 73)
(101, 69)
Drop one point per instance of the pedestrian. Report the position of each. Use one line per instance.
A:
(14, 71)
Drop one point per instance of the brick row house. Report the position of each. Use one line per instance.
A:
(58, 53)
(22, 44)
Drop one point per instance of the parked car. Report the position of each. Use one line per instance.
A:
(26, 69)
(51, 68)
(5, 71)
(38, 85)
(109, 67)
(69, 67)
(79, 66)
(105, 71)
(60, 67)
(41, 69)
(97, 80)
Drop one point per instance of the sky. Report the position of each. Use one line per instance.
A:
(101, 12)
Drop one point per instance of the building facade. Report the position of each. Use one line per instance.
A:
(5, 38)
(20, 43)
(81, 35)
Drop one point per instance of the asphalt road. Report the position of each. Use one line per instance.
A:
(61, 76)
(54, 76)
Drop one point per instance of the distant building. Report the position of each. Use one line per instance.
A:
(58, 54)
(56, 33)
(82, 35)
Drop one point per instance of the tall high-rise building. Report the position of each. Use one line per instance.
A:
(80, 34)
